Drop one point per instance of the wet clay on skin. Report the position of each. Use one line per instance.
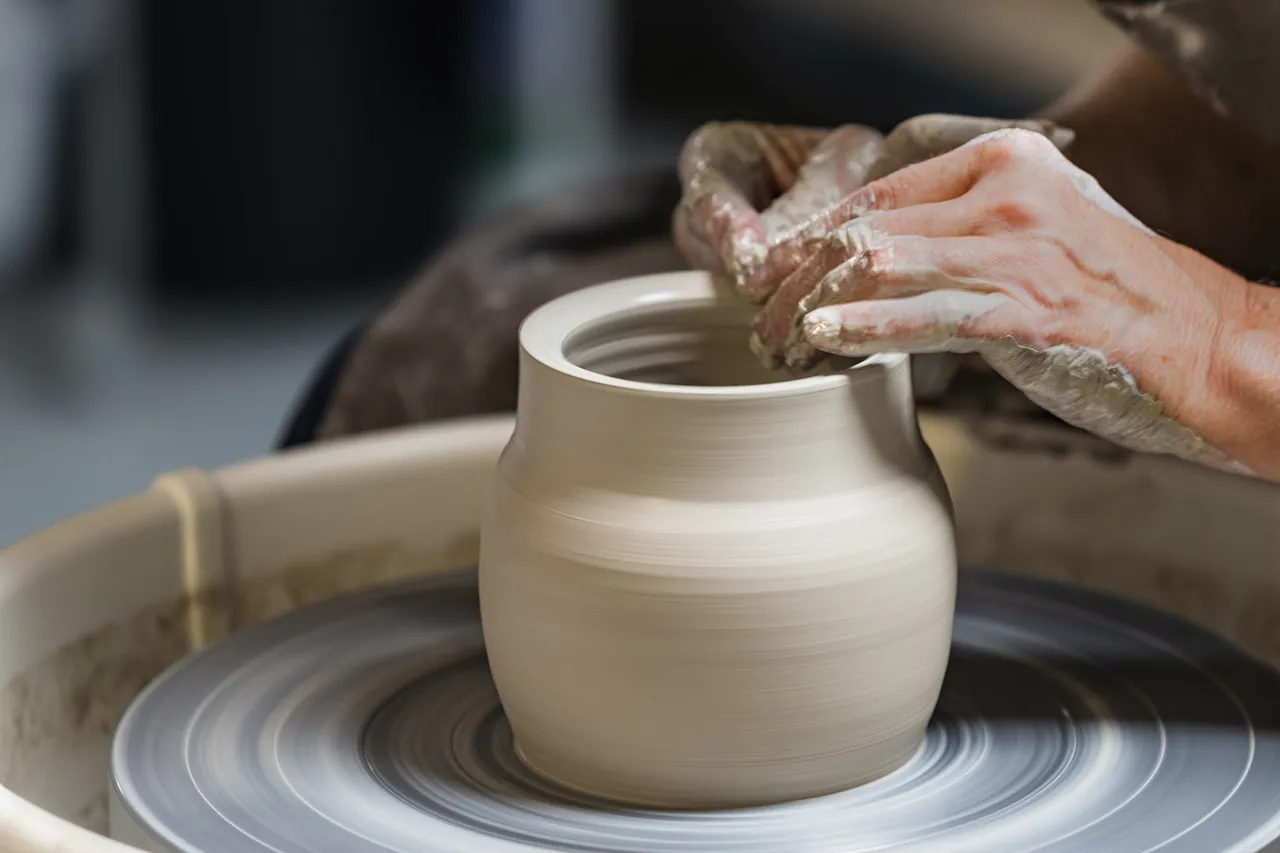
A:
(1079, 384)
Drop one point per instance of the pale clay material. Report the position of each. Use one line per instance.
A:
(710, 594)
(94, 607)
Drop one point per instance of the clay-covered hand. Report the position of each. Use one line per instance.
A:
(748, 188)
(1002, 247)
(756, 195)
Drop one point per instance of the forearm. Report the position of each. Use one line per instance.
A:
(1237, 403)
(1175, 163)
(1246, 376)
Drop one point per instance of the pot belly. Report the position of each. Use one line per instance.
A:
(686, 655)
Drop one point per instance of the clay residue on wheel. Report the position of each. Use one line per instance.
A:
(337, 572)
(93, 814)
(1050, 512)
(1247, 613)
(1130, 574)
(1063, 511)
(70, 703)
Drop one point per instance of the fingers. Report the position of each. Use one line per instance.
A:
(1001, 155)
(924, 137)
(716, 226)
(729, 172)
(770, 209)
(846, 256)
(836, 167)
(755, 196)
(967, 150)
(811, 207)
(956, 321)
(794, 250)
(758, 160)
(773, 328)
(696, 251)
(918, 295)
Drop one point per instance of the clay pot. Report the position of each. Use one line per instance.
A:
(704, 585)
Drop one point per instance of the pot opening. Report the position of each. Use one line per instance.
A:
(693, 346)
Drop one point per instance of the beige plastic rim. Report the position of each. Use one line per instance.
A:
(93, 608)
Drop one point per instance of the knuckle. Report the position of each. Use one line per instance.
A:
(875, 262)
(1017, 211)
(1014, 145)
(877, 196)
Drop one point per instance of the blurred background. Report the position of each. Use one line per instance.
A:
(198, 198)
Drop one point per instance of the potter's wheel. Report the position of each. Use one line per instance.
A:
(1069, 722)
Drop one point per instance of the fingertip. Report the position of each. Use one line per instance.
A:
(822, 318)
(823, 328)
(828, 333)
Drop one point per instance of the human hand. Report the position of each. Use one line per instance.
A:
(747, 188)
(1004, 248)
(759, 198)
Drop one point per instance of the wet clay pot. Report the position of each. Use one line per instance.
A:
(704, 585)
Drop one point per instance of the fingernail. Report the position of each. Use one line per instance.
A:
(822, 325)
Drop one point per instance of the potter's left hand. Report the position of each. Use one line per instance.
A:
(1004, 248)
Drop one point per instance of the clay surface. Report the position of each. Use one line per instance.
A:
(703, 584)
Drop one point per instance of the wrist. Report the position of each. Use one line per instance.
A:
(1243, 381)
(1230, 385)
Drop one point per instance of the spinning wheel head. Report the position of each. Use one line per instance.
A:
(1069, 722)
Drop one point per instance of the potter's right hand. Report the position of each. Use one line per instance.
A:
(760, 200)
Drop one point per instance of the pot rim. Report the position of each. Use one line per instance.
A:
(544, 332)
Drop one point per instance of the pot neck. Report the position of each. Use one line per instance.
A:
(789, 440)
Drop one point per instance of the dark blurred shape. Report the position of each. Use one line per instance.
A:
(447, 347)
(301, 143)
(696, 60)
(296, 144)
